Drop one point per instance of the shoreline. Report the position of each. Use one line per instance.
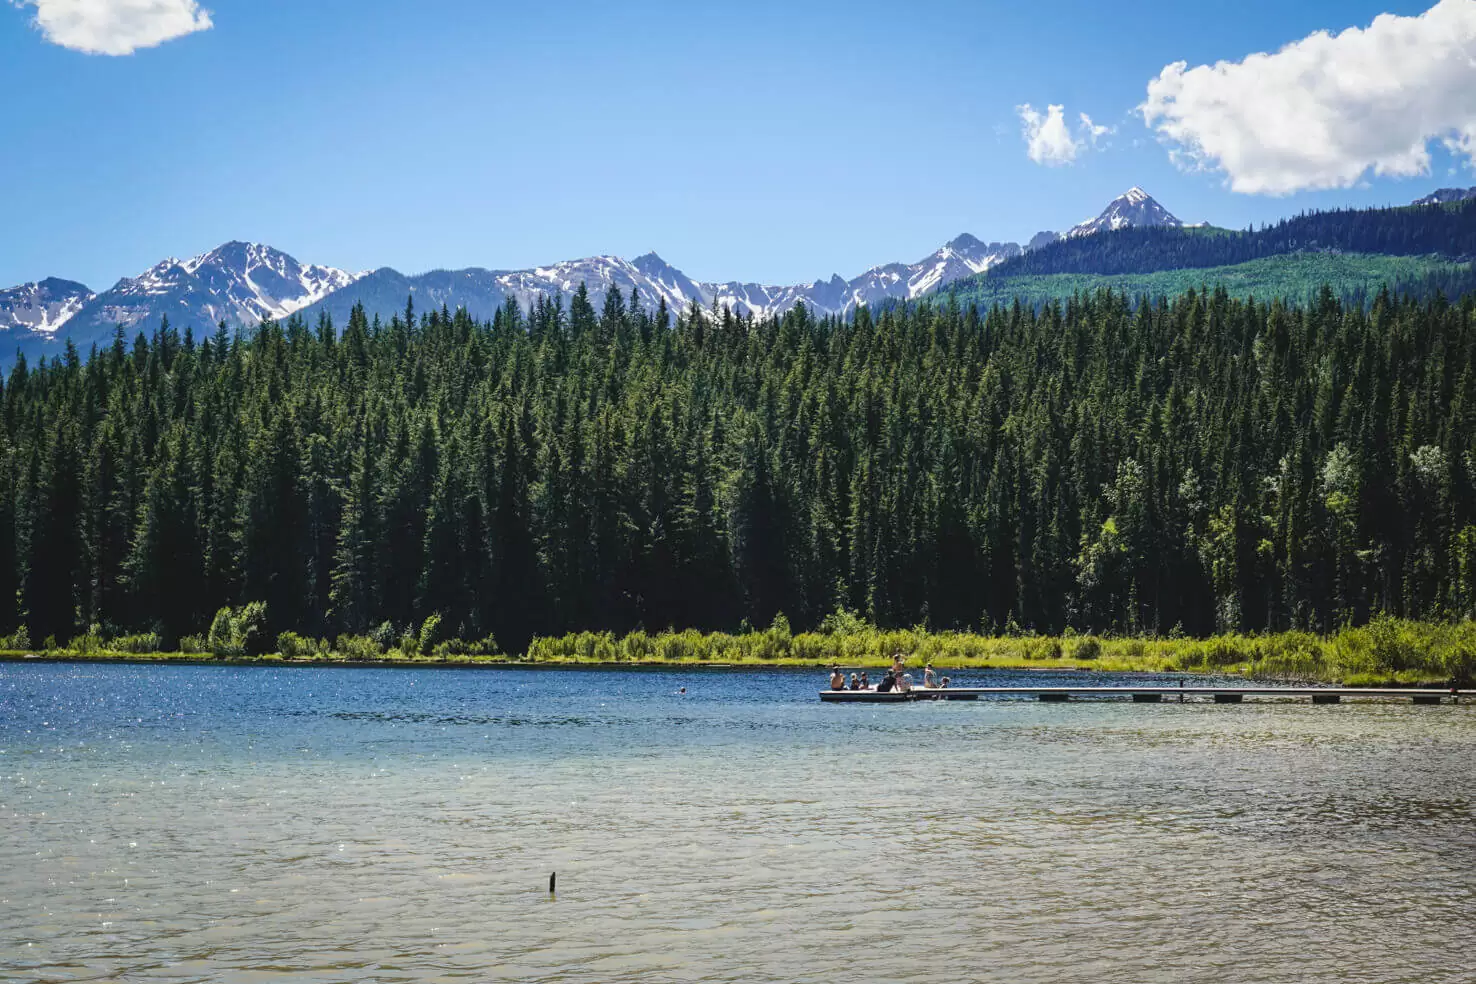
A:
(1102, 666)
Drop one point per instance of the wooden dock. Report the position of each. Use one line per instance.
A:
(1151, 694)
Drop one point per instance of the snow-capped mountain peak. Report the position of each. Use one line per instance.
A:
(237, 282)
(1134, 208)
(244, 283)
(1443, 196)
(42, 307)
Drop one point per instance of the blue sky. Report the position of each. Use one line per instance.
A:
(765, 141)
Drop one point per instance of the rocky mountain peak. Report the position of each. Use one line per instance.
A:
(1135, 208)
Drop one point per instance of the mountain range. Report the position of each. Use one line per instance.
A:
(1444, 196)
(244, 283)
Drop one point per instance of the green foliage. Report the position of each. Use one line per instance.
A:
(88, 643)
(451, 648)
(1086, 649)
(843, 621)
(383, 635)
(1392, 651)
(430, 633)
(140, 644)
(193, 644)
(358, 648)
(1400, 232)
(239, 631)
(293, 646)
(1353, 277)
(1200, 464)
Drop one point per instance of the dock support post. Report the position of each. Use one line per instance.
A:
(1326, 699)
(1229, 698)
(1055, 698)
(1427, 698)
(1147, 698)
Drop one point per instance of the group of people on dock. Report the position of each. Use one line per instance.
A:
(896, 679)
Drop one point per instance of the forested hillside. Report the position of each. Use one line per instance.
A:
(1198, 464)
(1354, 278)
(1429, 230)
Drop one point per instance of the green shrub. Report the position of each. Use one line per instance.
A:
(430, 633)
(193, 644)
(383, 635)
(222, 638)
(140, 644)
(463, 647)
(1222, 651)
(844, 622)
(294, 646)
(88, 643)
(1087, 648)
(1391, 644)
(358, 647)
(240, 631)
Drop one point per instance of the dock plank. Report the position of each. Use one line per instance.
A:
(1151, 694)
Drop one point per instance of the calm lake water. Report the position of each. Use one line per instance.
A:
(260, 824)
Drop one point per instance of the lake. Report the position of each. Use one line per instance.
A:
(252, 824)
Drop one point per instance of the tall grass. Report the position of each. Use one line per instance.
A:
(1385, 651)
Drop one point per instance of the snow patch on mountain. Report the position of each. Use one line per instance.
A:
(243, 284)
(239, 283)
(1136, 208)
(1444, 196)
(42, 307)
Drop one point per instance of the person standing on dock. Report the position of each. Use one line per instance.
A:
(899, 665)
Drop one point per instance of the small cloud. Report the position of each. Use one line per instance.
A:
(1092, 133)
(1328, 110)
(1049, 139)
(116, 27)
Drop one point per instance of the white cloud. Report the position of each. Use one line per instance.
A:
(1324, 111)
(1049, 139)
(1092, 132)
(116, 27)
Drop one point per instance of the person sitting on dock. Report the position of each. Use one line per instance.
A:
(855, 682)
(904, 682)
(887, 683)
(837, 679)
(865, 683)
(943, 684)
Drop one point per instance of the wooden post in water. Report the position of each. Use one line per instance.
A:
(553, 881)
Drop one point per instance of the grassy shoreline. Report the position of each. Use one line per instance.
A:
(1386, 652)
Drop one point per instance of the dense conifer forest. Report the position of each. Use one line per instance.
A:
(1203, 464)
(1426, 230)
